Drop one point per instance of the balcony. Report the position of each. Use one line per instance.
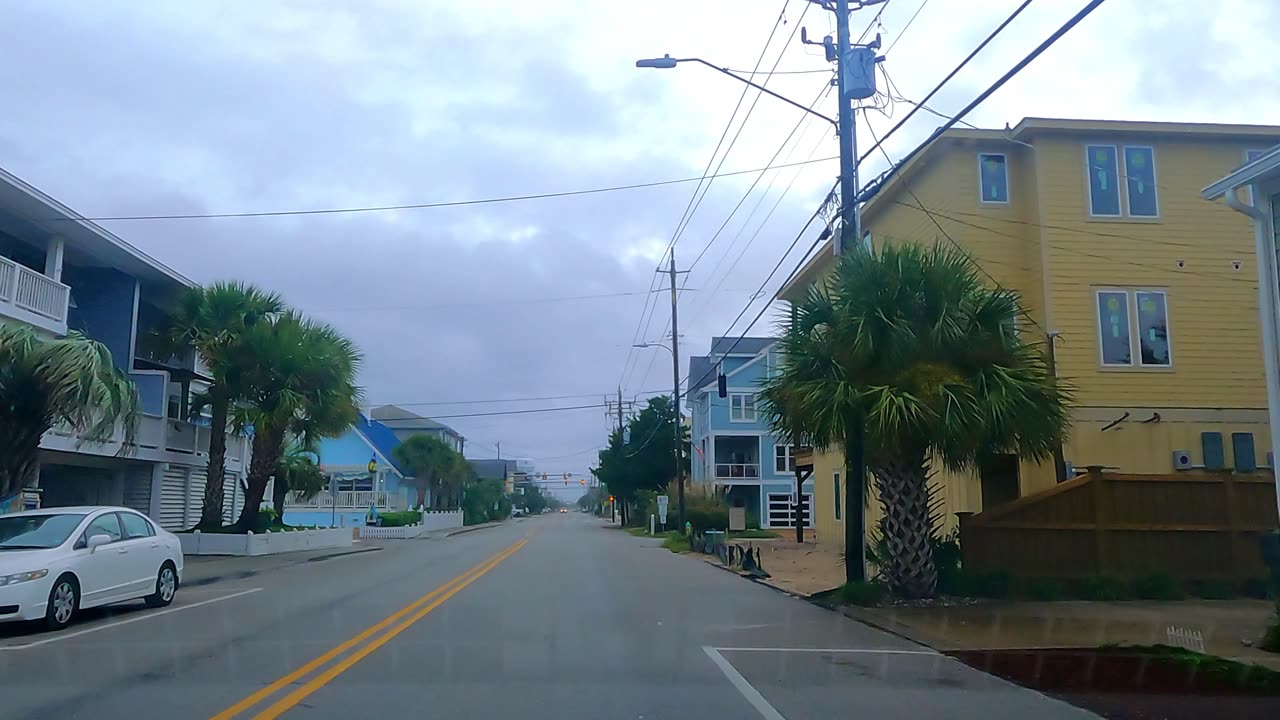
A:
(33, 298)
(737, 471)
(349, 500)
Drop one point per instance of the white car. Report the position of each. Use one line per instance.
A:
(57, 561)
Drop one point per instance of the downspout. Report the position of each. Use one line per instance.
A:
(1268, 303)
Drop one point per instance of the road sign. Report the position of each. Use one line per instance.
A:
(662, 509)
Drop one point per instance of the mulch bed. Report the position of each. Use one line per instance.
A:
(1139, 683)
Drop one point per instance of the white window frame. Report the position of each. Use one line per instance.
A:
(1088, 180)
(1135, 339)
(734, 415)
(1155, 186)
(788, 458)
(1137, 336)
(1008, 186)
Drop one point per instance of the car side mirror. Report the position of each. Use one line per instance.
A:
(97, 540)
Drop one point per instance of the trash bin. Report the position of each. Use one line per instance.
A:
(714, 539)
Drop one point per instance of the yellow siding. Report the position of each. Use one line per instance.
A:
(1213, 310)
(1044, 245)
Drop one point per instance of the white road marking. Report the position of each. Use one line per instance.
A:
(753, 696)
(862, 651)
(143, 616)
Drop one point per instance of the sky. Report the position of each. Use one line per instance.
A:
(132, 107)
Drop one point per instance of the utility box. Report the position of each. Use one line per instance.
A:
(737, 519)
(1214, 455)
(859, 66)
(1243, 455)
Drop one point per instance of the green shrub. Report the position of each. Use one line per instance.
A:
(1211, 589)
(400, 518)
(1255, 588)
(864, 594)
(1102, 587)
(677, 542)
(993, 584)
(1158, 586)
(1046, 589)
(958, 582)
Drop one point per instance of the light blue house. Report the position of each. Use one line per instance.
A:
(733, 447)
(361, 466)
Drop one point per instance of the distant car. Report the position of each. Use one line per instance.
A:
(564, 510)
(518, 512)
(57, 561)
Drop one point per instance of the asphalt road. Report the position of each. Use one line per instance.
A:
(548, 617)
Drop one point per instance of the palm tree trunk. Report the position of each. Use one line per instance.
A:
(268, 446)
(19, 458)
(908, 528)
(422, 495)
(855, 519)
(215, 472)
(279, 493)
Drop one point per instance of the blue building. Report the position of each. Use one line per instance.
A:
(61, 273)
(733, 447)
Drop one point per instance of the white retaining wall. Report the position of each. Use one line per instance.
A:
(268, 543)
(432, 520)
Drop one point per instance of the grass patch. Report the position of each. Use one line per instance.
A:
(864, 594)
(752, 534)
(1253, 677)
(639, 532)
(676, 542)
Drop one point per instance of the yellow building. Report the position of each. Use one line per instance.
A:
(1150, 291)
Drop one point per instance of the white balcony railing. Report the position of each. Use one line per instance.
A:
(730, 471)
(40, 294)
(8, 271)
(351, 500)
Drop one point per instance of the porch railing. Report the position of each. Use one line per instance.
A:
(737, 470)
(8, 271)
(351, 500)
(40, 294)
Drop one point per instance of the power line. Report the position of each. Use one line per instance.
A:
(493, 400)
(428, 205)
(1017, 11)
(646, 313)
(906, 27)
(488, 414)
(689, 387)
(495, 303)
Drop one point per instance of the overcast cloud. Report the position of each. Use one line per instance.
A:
(125, 107)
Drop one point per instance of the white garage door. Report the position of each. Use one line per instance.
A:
(173, 499)
(781, 513)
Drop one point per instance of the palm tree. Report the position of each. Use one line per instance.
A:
(213, 320)
(299, 473)
(432, 463)
(911, 354)
(300, 382)
(45, 382)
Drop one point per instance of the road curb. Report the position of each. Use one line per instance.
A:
(472, 528)
(253, 572)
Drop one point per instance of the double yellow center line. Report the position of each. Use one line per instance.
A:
(398, 621)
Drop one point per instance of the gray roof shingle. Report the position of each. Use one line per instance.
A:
(745, 346)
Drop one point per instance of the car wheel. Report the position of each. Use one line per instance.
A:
(166, 586)
(64, 602)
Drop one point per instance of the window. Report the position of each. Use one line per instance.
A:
(1140, 176)
(835, 482)
(135, 526)
(1113, 328)
(993, 176)
(1153, 328)
(742, 407)
(1104, 186)
(1121, 318)
(102, 525)
(784, 458)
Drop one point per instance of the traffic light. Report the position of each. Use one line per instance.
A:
(582, 481)
(722, 385)
(610, 498)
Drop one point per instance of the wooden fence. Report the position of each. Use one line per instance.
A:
(1192, 525)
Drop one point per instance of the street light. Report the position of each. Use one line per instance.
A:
(667, 62)
(675, 401)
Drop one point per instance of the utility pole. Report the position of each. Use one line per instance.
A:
(675, 389)
(855, 79)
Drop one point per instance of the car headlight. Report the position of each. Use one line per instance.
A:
(22, 577)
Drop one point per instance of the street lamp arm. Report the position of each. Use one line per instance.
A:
(669, 62)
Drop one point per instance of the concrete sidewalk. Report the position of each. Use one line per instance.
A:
(1225, 625)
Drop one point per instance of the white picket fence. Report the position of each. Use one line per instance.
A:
(432, 520)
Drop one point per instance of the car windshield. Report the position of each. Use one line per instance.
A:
(30, 532)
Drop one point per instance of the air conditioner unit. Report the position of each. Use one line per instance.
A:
(1181, 460)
